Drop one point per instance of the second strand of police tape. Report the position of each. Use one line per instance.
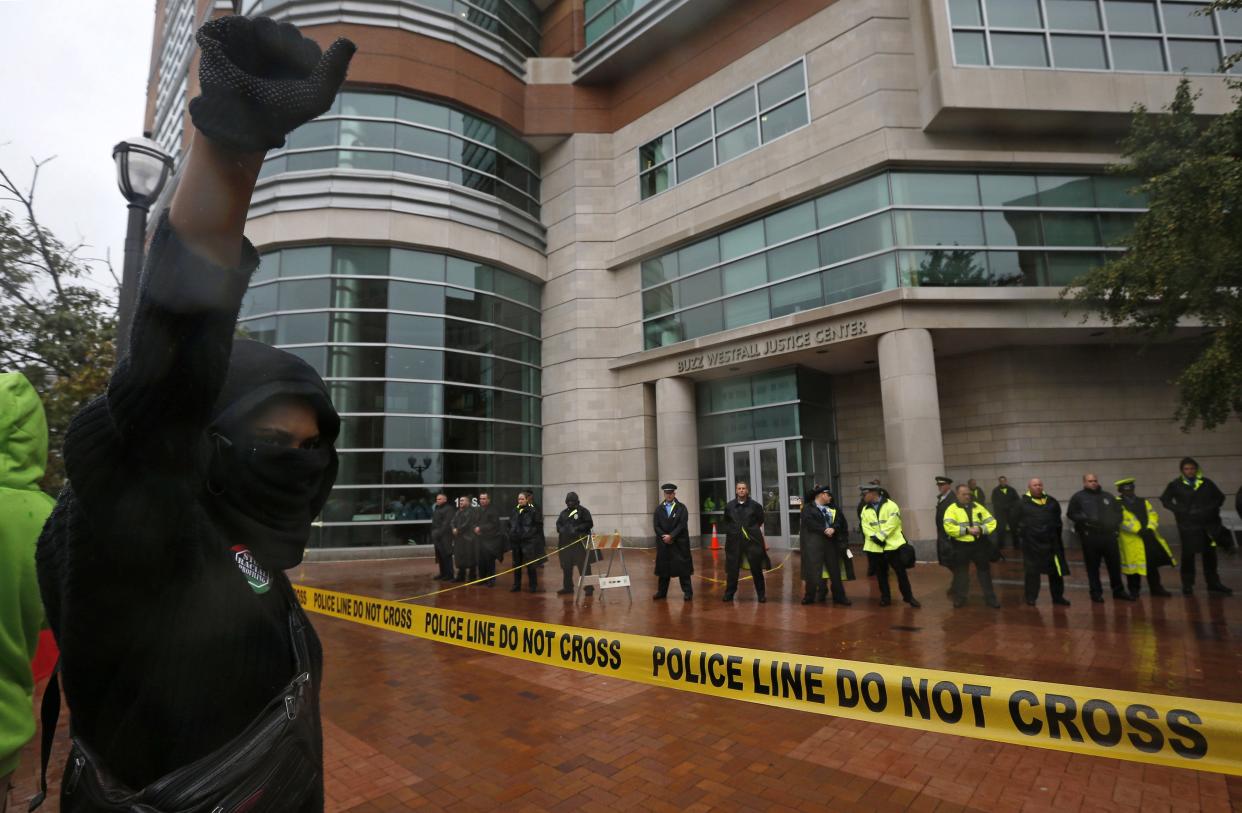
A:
(1142, 727)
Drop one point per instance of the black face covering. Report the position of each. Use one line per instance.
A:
(265, 496)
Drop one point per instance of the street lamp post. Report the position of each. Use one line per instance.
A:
(142, 169)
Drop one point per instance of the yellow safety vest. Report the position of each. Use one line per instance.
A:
(957, 520)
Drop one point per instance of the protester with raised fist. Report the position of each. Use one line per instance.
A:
(191, 672)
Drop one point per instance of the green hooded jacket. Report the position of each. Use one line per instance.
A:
(23, 510)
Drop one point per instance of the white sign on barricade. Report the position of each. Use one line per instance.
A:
(595, 545)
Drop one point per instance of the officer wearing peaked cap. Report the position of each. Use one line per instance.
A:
(670, 521)
(823, 535)
(944, 498)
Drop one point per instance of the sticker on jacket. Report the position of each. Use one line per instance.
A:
(255, 575)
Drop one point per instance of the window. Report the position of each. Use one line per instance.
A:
(763, 112)
(1098, 35)
(380, 132)
(939, 228)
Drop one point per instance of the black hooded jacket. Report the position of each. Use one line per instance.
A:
(169, 646)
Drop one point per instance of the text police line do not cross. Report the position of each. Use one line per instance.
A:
(1157, 729)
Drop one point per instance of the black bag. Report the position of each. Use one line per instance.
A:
(1224, 538)
(273, 765)
(905, 555)
(944, 552)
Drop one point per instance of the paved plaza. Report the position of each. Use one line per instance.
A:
(415, 725)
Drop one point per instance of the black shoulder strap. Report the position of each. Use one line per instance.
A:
(49, 718)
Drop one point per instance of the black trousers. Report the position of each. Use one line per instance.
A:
(1135, 582)
(1099, 548)
(733, 566)
(881, 563)
(520, 557)
(1196, 543)
(446, 562)
(980, 553)
(487, 567)
(567, 571)
(686, 587)
(1005, 531)
(816, 588)
(1056, 584)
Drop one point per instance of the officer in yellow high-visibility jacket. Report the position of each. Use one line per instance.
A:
(885, 545)
(1143, 549)
(969, 526)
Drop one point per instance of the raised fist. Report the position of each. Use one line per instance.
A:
(261, 79)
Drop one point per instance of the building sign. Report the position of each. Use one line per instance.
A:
(787, 343)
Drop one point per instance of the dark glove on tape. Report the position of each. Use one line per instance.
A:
(260, 80)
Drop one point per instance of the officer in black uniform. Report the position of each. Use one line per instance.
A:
(489, 543)
(1004, 501)
(1096, 515)
(1195, 502)
(465, 545)
(944, 547)
(823, 537)
(442, 535)
(743, 522)
(526, 540)
(1037, 530)
(670, 522)
(572, 525)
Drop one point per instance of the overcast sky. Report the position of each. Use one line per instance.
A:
(73, 82)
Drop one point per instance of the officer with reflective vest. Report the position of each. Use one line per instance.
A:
(1195, 501)
(1143, 549)
(969, 526)
(822, 537)
(885, 545)
(1038, 528)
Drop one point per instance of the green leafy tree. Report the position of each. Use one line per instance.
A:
(1185, 258)
(56, 326)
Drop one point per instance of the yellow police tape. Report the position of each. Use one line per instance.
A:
(1179, 732)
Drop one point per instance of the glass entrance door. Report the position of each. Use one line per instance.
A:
(762, 467)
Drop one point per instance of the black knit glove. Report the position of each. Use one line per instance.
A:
(261, 80)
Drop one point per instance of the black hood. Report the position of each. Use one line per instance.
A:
(571, 498)
(246, 482)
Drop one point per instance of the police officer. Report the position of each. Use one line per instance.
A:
(1004, 501)
(1097, 519)
(442, 536)
(944, 498)
(1195, 502)
(880, 524)
(572, 526)
(1037, 530)
(526, 540)
(969, 526)
(670, 521)
(465, 544)
(488, 540)
(743, 521)
(1143, 549)
(822, 536)
(976, 493)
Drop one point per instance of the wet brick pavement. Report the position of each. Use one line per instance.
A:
(417, 725)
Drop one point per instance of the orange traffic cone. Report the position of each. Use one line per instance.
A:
(715, 539)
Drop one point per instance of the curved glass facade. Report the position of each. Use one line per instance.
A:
(381, 132)
(433, 363)
(896, 228)
(515, 22)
